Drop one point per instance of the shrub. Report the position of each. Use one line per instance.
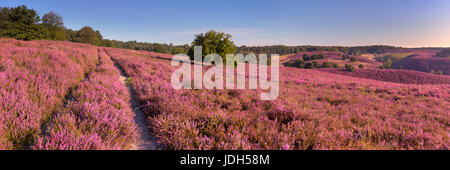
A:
(349, 67)
(361, 66)
(295, 63)
(306, 57)
(386, 64)
(309, 66)
(327, 65)
(353, 59)
(315, 64)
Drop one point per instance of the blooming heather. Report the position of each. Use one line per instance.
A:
(315, 110)
(73, 93)
(394, 75)
(98, 117)
(35, 77)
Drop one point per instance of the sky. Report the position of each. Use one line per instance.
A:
(406, 23)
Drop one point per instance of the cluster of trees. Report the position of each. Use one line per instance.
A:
(283, 50)
(352, 59)
(156, 47)
(306, 57)
(349, 67)
(345, 57)
(25, 24)
(310, 65)
(213, 42)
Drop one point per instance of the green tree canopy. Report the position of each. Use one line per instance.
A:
(213, 42)
(54, 23)
(88, 35)
(52, 19)
(21, 23)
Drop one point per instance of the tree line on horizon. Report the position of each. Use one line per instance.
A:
(23, 23)
(283, 49)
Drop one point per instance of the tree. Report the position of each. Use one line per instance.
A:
(353, 59)
(344, 57)
(160, 48)
(306, 57)
(108, 43)
(54, 23)
(387, 64)
(21, 23)
(295, 63)
(315, 64)
(213, 42)
(88, 35)
(349, 67)
(309, 66)
(70, 34)
(177, 50)
(4, 15)
(52, 19)
(361, 66)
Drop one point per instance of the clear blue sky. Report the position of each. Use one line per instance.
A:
(409, 23)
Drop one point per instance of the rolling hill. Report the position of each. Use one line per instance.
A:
(61, 95)
(424, 60)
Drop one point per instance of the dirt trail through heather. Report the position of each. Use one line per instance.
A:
(145, 140)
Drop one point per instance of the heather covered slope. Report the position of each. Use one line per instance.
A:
(62, 95)
(98, 116)
(394, 75)
(59, 95)
(336, 57)
(315, 110)
(424, 60)
(35, 77)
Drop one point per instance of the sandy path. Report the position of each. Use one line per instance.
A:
(145, 140)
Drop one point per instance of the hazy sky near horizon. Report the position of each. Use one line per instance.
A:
(408, 23)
